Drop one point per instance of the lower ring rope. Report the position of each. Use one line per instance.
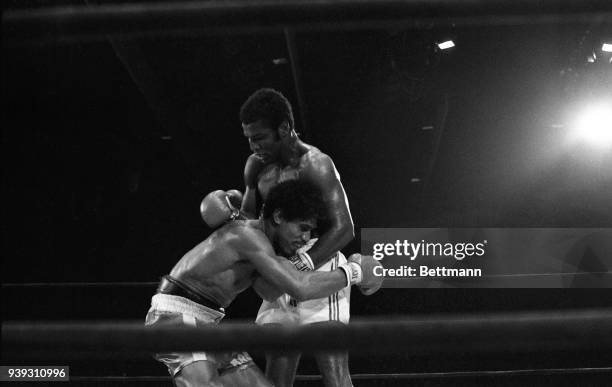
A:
(414, 375)
(484, 333)
(80, 284)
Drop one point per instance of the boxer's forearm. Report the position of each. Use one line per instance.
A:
(314, 285)
(341, 229)
(281, 273)
(249, 203)
(333, 240)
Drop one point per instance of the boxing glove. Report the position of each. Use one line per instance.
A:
(360, 271)
(217, 208)
(301, 260)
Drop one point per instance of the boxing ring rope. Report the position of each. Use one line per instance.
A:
(150, 284)
(393, 376)
(483, 333)
(133, 284)
(99, 21)
(545, 332)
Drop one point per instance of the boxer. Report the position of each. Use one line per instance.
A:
(280, 155)
(237, 255)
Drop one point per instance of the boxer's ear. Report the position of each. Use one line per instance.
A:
(284, 130)
(277, 217)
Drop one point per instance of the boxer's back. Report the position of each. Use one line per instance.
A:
(214, 267)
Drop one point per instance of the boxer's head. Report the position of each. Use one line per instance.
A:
(292, 211)
(267, 122)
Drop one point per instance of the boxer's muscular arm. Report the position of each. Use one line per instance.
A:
(253, 246)
(265, 290)
(321, 171)
(251, 170)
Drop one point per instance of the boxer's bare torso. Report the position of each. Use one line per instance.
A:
(272, 174)
(217, 267)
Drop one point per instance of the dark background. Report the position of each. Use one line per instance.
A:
(108, 147)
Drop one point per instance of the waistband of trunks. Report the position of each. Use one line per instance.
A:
(172, 286)
(177, 304)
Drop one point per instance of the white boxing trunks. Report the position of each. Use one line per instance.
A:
(169, 310)
(287, 311)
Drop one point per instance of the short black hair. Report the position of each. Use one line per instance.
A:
(268, 105)
(296, 200)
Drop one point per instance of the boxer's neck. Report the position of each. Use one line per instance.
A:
(265, 226)
(292, 152)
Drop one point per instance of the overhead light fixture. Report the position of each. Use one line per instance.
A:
(446, 45)
(607, 47)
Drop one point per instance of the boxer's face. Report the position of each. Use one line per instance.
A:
(263, 140)
(291, 235)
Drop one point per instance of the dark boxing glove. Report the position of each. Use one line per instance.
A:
(218, 207)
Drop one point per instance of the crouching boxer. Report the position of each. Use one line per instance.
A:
(237, 255)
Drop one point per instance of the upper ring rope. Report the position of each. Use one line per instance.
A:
(99, 21)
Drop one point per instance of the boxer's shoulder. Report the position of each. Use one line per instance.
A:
(315, 161)
(246, 235)
(235, 231)
(318, 167)
(312, 155)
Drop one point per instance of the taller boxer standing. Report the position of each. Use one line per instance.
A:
(279, 155)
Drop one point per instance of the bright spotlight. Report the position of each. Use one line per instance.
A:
(594, 125)
(445, 45)
(607, 47)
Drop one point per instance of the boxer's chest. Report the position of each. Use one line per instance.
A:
(274, 174)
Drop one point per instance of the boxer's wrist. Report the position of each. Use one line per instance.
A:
(234, 212)
(353, 273)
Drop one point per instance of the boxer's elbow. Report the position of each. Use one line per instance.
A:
(266, 291)
(270, 297)
(299, 295)
(299, 291)
(344, 233)
(350, 233)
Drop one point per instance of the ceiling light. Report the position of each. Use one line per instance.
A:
(445, 45)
